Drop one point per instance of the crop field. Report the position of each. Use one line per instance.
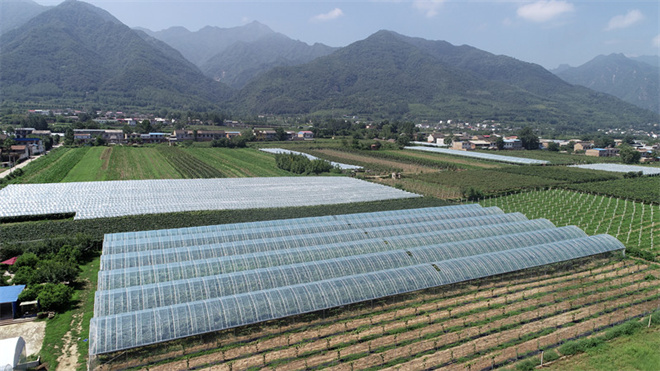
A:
(238, 162)
(87, 164)
(635, 224)
(476, 325)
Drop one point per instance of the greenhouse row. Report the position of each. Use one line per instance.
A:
(145, 275)
(253, 239)
(152, 295)
(90, 200)
(620, 168)
(482, 156)
(287, 151)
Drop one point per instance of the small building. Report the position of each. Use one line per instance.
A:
(435, 137)
(480, 144)
(306, 135)
(461, 145)
(602, 152)
(9, 301)
(232, 134)
(114, 136)
(512, 144)
(35, 145)
(19, 153)
(153, 138)
(209, 135)
(582, 146)
(265, 134)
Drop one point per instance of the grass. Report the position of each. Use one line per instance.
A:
(630, 352)
(74, 320)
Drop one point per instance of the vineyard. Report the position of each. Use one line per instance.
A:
(635, 224)
(477, 325)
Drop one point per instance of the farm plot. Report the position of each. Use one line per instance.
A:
(238, 162)
(635, 224)
(489, 321)
(53, 167)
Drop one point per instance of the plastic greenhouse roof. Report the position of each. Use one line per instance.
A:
(481, 155)
(262, 278)
(287, 151)
(89, 200)
(619, 168)
(253, 232)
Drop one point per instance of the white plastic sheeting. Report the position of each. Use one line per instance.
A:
(482, 156)
(620, 168)
(287, 151)
(91, 200)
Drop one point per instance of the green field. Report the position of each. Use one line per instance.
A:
(86, 164)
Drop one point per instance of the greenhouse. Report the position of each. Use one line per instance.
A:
(163, 292)
(89, 200)
(287, 151)
(620, 168)
(482, 156)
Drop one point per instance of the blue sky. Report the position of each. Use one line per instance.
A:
(547, 32)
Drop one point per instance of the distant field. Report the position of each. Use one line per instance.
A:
(86, 164)
(239, 162)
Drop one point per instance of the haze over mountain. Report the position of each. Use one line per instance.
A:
(393, 75)
(78, 52)
(235, 55)
(14, 13)
(242, 61)
(630, 80)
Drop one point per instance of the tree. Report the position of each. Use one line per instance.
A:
(99, 141)
(449, 140)
(144, 127)
(280, 134)
(553, 146)
(528, 138)
(499, 143)
(68, 136)
(629, 155)
(403, 140)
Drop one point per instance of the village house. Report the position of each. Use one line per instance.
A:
(35, 145)
(306, 135)
(512, 144)
(602, 152)
(582, 146)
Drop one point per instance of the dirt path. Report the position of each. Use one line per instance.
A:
(69, 358)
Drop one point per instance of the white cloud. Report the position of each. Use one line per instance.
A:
(543, 11)
(656, 41)
(333, 14)
(626, 20)
(428, 7)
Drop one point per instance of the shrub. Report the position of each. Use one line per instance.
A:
(28, 259)
(55, 296)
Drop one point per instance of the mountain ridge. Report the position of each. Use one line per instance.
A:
(94, 57)
(633, 81)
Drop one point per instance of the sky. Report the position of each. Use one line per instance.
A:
(546, 32)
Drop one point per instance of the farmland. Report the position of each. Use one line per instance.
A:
(156, 162)
(500, 321)
(473, 325)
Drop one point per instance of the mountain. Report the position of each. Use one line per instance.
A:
(653, 60)
(630, 80)
(394, 76)
(198, 47)
(236, 55)
(77, 53)
(15, 13)
(242, 61)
